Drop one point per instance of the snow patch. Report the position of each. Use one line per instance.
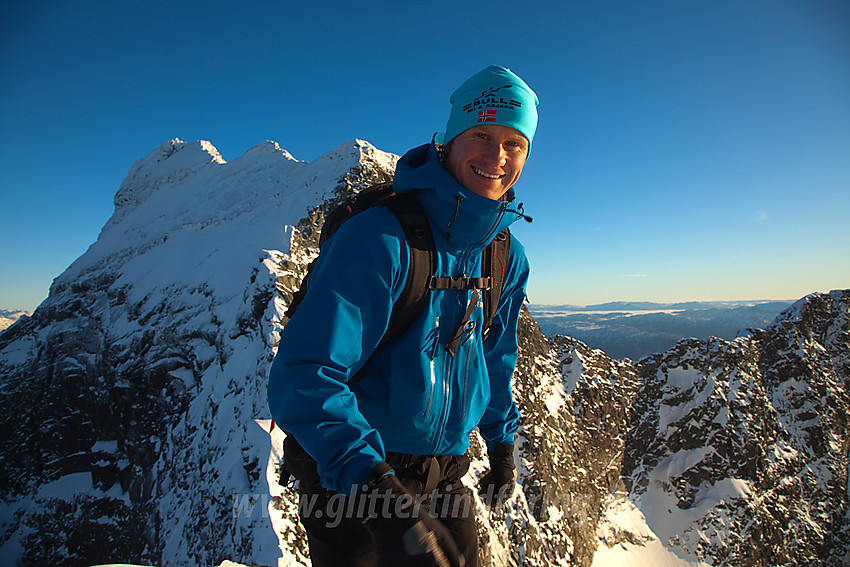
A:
(556, 398)
(651, 554)
(623, 520)
(573, 373)
(73, 485)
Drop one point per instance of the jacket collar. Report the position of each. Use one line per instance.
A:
(464, 218)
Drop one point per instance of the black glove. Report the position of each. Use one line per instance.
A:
(498, 484)
(404, 532)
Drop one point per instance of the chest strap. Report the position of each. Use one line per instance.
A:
(460, 283)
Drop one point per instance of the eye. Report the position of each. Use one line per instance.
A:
(515, 145)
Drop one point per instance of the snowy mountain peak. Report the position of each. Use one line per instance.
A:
(363, 152)
(181, 192)
(272, 147)
(172, 161)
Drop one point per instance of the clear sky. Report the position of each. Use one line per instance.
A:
(687, 149)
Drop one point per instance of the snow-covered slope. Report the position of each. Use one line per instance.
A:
(134, 426)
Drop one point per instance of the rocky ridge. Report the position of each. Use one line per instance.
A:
(743, 445)
(134, 425)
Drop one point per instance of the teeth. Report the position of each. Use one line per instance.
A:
(487, 175)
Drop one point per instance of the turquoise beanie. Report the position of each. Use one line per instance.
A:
(495, 95)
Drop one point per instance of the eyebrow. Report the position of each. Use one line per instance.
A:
(512, 137)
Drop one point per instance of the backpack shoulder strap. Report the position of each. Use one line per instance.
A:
(420, 241)
(414, 295)
(494, 262)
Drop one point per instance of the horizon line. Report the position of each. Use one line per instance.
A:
(677, 302)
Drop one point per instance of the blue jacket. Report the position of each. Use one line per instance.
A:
(413, 397)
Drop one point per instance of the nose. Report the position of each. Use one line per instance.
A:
(495, 153)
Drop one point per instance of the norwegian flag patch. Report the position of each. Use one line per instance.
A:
(488, 115)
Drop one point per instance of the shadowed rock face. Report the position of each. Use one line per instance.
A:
(760, 422)
(128, 400)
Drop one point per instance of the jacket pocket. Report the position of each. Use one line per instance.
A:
(466, 370)
(431, 386)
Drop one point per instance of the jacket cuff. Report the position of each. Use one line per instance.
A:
(493, 446)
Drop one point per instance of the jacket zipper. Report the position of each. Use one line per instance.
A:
(433, 368)
(448, 365)
(483, 242)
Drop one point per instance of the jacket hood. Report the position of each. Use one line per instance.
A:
(464, 218)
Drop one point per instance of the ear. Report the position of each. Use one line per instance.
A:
(443, 151)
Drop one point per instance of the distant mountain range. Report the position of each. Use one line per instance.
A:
(629, 306)
(628, 329)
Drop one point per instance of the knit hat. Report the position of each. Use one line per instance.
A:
(493, 96)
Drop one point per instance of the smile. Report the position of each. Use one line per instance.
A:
(483, 174)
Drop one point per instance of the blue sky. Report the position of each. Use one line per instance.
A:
(687, 150)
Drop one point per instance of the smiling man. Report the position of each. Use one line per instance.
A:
(487, 159)
(382, 426)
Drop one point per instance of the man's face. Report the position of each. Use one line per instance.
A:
(487, 159)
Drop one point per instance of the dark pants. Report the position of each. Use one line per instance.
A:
(336, 533)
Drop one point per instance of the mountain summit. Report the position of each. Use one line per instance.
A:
(135, 427)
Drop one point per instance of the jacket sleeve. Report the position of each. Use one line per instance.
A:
(500, 421)
(342, 318)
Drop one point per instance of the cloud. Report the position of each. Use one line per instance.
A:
(761, 216)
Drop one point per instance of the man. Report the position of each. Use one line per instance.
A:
(375, 455)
